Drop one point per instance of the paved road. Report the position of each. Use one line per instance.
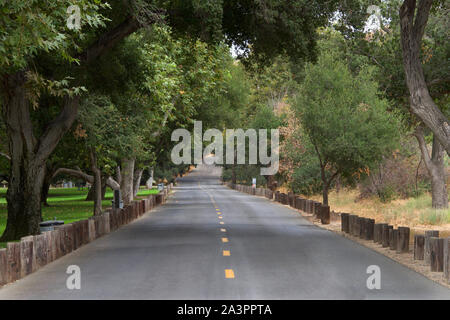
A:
(177, 252)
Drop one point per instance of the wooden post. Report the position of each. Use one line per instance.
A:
(3, 264)
(357, 226)
(403, 240)
(92, 235)
(393, 239)
(40, 242)
(428, 235)
(376, 232)
(385, 235)
(325, 214)
(380, 233)
(316, 208)
(344, 222)
(50, 250)
(13, 266)
(437, 254)
(27, 256)
(369, 229)
(447, 259)
(419, 246)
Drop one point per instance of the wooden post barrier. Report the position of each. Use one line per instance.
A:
(403, 240)
(385, 235)
(56, 243)
(49, 246)
(92, 234)
(316, 209)
(364, 228)
(393, 239)
(351, 224)
(428, 235)
(357, 226)
(379, 231)
(419, 247)
(3, 265)
(369, 229)
(40, 245)
(27, 256)
(106, 226)
(344, 222)
(13, 267)
(291, 199)
(447, 260)
(436, 254)
(325, 214)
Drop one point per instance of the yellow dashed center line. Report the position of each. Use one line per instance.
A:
(226, 253)
(223, 230)
(220, 217)
(229, 273)
(224, 240)
(219, 213)
(221, 222)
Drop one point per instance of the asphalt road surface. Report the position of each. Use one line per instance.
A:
(210, 242)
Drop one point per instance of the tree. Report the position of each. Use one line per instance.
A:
(345, 120)
(414, 16)
(32, 28)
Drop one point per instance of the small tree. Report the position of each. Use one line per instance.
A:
(345, 120)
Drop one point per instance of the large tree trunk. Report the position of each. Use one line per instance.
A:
(436, 169)
(126, 187)
(97, 186)
(28, 156)
(412, 25)
(137, 181)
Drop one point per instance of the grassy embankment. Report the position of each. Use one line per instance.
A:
(413, 212)
(68, 205)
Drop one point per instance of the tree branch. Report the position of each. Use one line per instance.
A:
(418, 133)
(109, 40)
(110, 182)
(56, 128)
(5, 155)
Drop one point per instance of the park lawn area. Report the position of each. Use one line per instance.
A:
(65, 204)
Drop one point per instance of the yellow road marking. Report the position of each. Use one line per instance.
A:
(226, 253)
(221, 222)
(219, 212)
(220, 217)
(229, 273)
(223, 230)
(224, 240)
(217, 209)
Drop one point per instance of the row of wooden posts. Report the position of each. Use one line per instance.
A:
(317, 209)
(434, 251)
(19, 259)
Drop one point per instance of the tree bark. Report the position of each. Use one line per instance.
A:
(126, 187)
(46, 188)
(412, 26)
(436, 168)
(137, 181)
(97, 186)
(26, 170)
(149, 182)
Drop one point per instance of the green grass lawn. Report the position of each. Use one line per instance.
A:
(65, 204)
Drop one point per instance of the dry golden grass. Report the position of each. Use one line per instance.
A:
(415, 213)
